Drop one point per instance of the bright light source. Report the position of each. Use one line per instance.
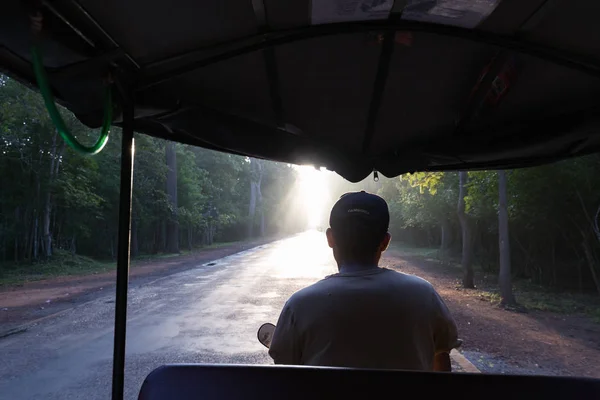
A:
(314, 193)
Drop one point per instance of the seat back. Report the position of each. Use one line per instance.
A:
(232, 382)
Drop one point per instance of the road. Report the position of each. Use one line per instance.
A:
(206, 314)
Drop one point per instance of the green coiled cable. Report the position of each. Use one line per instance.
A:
(59, 123)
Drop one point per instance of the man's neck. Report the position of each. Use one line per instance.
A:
(356, 267)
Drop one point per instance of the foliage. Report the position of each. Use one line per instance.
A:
(420, 204)
(551, 212)
(55, 201)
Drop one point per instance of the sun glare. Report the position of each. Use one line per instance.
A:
(314, 193)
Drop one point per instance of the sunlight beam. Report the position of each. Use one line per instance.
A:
(314, 194)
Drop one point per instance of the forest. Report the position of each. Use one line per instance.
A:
(536, 224)
(53, 199)
(539, 224)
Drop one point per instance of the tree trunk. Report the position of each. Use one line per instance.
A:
(251, 209)
(209, 232)
(35, 243)
(591, 262)
(256, 175)
(579, 262)
(554, 267)
(159, 237)
(467, 239)
(73, 246)
(46, 236)
(172, 223)
(135, 249)
(189, 237)
(47, 208)
(262, 210)
(3, 229)
(16, 248)
(579, 276)
(205, 235)
(17, 213)
(504, 278)
(55, 229)
(112, 247)
(26, 235)
(445, 235)
(446, 238)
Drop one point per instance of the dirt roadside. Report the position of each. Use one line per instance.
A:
(34, 300)
(501, 341)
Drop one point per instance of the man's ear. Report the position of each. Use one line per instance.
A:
(385, 242)
(330, 238)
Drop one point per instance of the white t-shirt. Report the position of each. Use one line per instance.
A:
(375, 318)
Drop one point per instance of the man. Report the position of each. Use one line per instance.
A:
(364, 316)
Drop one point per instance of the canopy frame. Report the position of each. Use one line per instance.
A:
(238, 47)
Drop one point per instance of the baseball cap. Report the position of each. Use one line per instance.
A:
(360, 211)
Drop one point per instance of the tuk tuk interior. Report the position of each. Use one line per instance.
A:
(358, 87)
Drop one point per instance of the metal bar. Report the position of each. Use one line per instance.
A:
(127, 154)
(69, 24)
(101, 30)
(385, 57)
(278, 38)
(102, 60)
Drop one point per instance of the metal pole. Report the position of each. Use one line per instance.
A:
(127, 152)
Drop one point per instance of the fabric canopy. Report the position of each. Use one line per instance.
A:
(351, 85)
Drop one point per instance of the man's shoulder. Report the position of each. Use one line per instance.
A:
(313, 290)
(404, 281)
(408, 279)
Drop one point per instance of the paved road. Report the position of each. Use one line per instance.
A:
(207, 314)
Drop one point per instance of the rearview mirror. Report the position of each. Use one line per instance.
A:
(265, 334)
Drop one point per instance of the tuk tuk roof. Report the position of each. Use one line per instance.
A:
(351, 85)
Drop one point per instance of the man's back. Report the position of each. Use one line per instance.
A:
(373, 318)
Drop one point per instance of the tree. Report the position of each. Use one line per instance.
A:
(431, 207)
(172, 230)
(504, 278)
(467, 240)
(151, 206)
(255, 197)
(193, 183)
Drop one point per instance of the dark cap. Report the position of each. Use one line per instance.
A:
(362, 210)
